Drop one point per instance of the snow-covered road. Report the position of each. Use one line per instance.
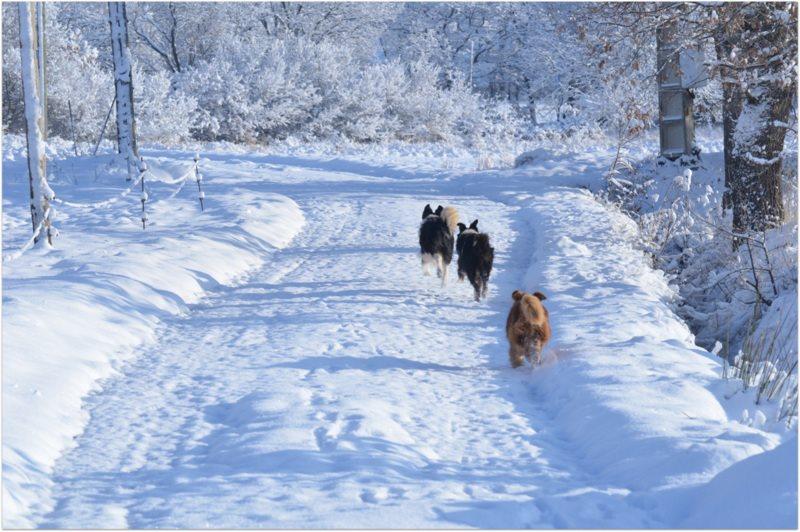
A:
(338, 387)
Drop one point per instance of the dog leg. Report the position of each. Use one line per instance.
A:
(476, 285)
(426, 258)
(527, 348)
(516, 356)
(444, 272)
(537, 350)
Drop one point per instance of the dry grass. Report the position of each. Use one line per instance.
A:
(768, 363)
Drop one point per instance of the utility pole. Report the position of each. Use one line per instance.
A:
(675, 119)
(123, 85)
(31, 28)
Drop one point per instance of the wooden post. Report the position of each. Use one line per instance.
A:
(142, 169)
(199, 178)
(123, 85)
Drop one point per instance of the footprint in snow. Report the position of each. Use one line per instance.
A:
(570, 248)
(374, 496)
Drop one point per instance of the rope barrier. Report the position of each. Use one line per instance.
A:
(31, 241)
(105, 203)
(99, 204)
(174, 181)
(181, 181)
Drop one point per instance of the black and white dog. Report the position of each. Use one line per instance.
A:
(475, 258)
(436, 239)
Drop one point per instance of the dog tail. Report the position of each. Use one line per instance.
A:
(450, 216)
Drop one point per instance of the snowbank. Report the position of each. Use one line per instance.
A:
(73, 315)
(758, 492)
(627, 372)
(639, 405)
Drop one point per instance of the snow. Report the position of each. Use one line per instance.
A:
(335, 386)
(625, 360)
(73, 315)
(723, 503)
(682, 225)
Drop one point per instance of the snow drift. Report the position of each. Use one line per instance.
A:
(73, 315)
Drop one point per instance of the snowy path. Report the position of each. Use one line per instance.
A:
(338, 387)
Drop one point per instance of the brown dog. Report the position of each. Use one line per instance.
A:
(527, 327)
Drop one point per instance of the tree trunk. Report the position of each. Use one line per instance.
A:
(731, 107)
(123, 84)
(754, 165)
(40, 192)
(531, 101)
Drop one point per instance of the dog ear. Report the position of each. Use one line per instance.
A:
(474, 225)
(461, 227)
(427, 211)
(540, 295)
(439, 210)
(517, 295)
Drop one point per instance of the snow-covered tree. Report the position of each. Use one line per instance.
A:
(260, 71)
(758, 51)
(756, 63)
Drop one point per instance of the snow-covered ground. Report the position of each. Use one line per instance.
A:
(241, 368)
(75, 314)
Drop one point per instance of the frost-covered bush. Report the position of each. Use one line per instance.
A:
(502, 123)
(165, 113)
(285, 91)
(258, 90)
(75, 76)
(223, 101)
(707, 102)
(13, 111)
(274, 89)
(737, 292)
(431, 112)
